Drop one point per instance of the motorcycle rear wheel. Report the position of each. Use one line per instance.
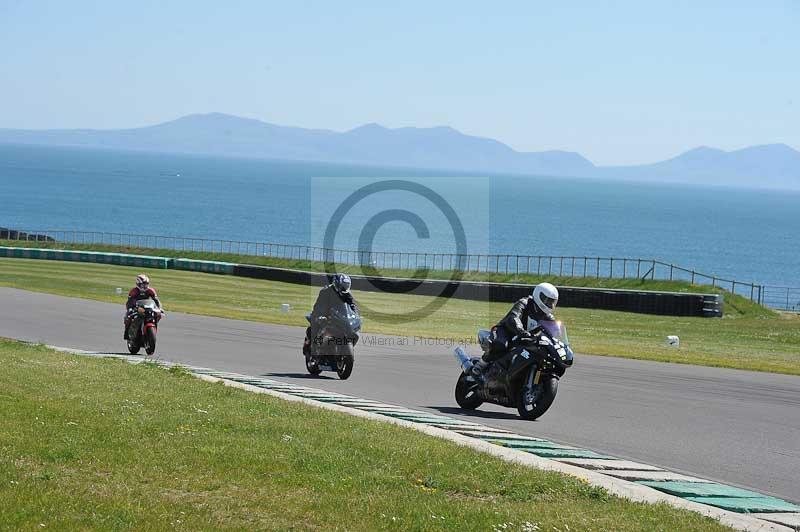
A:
(133, 345)
(531, 404)
(467, 393)
(312, 366)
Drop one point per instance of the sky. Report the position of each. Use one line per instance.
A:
(620, 82)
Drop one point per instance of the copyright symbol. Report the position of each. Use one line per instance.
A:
(367, 237)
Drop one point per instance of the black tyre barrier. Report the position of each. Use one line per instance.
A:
(639, 301)
(13, 234)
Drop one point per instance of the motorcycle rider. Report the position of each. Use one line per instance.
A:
(330, 295)
(539, 306)
(141, 291)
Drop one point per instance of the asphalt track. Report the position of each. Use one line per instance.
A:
(735, 427)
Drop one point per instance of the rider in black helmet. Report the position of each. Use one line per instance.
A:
(330, 295)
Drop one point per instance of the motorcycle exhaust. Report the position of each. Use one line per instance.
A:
(463, 359)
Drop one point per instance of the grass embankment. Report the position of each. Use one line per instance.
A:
(748, 337)
(316, 266)
(99, 444)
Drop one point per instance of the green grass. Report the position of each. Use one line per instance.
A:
(88, 444)
(749, 337)
(731, 300)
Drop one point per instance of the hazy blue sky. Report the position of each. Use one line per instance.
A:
(620, 82)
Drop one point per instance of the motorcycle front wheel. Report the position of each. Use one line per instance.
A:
(344, 362)
(150, 340)
(534, 399)
(467, 393)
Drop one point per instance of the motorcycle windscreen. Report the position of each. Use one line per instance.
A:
(556, 330)
(146, 303)
(346, 317)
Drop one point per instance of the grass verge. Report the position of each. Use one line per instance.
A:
(745, 340)
(733, 303)
(99, 444)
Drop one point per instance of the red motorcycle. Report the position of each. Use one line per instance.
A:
(143, 327)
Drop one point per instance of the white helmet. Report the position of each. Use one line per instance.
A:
(142, 282)
(545, 296)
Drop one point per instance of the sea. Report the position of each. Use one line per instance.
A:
(749, 235)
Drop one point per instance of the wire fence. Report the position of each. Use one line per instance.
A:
(779, 297)
(782, 297)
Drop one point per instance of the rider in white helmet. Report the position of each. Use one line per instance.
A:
(539, 306)
(142, 290)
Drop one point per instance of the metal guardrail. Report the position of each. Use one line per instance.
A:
(782, 297)
(785, 298)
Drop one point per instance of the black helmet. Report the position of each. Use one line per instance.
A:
(341, 283)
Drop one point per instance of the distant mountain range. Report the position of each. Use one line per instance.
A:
(440, 148)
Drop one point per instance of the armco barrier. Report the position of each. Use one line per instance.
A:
(639, 301)
(207, 266)
(119, 259)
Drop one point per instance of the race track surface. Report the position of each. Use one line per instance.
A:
(731, 426)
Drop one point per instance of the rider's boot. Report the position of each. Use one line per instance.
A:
(479, 367)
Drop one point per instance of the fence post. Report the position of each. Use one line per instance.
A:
(653, 275)
(692, 276)
(611, 275)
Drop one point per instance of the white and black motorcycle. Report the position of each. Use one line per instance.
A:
(525, 377)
